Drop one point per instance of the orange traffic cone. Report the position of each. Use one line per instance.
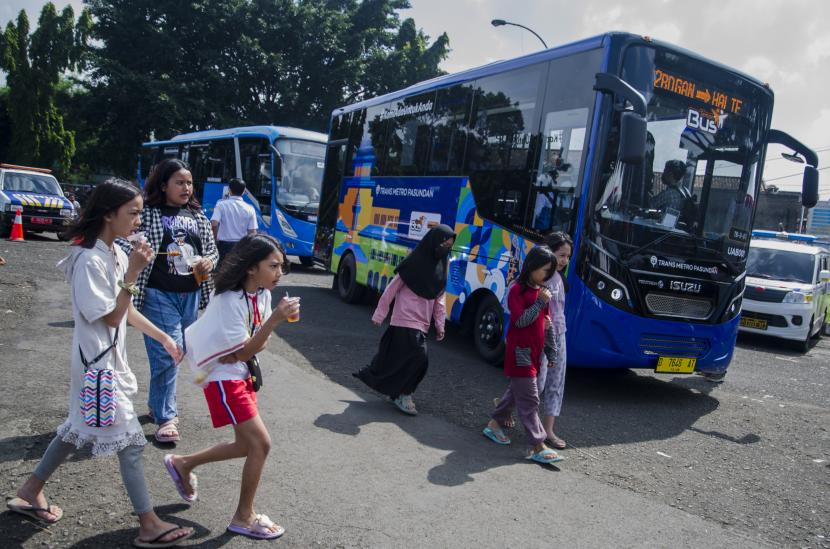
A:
(17, 228)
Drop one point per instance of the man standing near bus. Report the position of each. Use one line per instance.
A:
(233, 218)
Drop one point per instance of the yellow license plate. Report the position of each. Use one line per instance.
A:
(755, 323)
(675, 365)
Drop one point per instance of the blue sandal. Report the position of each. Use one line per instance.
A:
(496, 436)
(546, 456)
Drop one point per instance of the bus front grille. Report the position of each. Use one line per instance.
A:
(676, 306)
(670, 345)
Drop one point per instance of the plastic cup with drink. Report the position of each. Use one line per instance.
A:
(192, 260)
(136, 238)
(295, 317)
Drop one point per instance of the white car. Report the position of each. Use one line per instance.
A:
(787, 287)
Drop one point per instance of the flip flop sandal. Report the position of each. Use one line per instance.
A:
(406, 407)
(259, 529)
(496, 436)
(155, 542)
(177, 480)
(545, 457)
(557, 442)
(21, 506)
(511, 421)
(170, 427)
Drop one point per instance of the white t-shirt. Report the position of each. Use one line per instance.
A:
(224, 328)
(235, 217)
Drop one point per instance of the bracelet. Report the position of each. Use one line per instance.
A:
(130, 288)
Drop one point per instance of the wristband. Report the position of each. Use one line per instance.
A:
(130, 288)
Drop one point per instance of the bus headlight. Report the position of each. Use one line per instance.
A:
(285, 226)
(798, 297)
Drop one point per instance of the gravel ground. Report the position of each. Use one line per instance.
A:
(751, 453)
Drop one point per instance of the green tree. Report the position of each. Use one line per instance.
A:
(34, 64)
(165, 66)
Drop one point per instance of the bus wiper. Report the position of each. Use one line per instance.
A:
(626, 256)
(759, 275)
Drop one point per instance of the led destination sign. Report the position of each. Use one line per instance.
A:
(683, 86)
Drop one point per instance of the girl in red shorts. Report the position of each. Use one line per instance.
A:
(222, 347)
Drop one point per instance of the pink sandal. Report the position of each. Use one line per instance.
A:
(259, 529)
(168, 431)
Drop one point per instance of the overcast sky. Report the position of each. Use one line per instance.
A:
(783, 42)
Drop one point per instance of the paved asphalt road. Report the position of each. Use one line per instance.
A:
(655, 460)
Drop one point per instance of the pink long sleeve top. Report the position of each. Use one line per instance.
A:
(410, 310)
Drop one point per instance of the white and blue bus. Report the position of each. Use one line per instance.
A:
(282, 169)
(581, 138)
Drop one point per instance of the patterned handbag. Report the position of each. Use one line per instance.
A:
(98, 390)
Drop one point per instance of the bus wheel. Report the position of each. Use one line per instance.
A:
(307, 261)
(348, 288)
(488, 330)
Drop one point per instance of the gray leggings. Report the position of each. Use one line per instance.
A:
(130, 460)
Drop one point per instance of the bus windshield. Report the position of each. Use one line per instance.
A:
(302, 175)
(704, 145)
(31, 183)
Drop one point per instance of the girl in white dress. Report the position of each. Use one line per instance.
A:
(102, 281)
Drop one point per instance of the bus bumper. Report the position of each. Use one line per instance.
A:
(602, 336)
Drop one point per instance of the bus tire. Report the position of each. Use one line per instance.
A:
(307, 261)
(347, 287)
(488, 330)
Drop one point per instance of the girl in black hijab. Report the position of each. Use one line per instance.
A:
(418, 293)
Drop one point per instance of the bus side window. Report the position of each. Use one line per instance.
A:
(197, 154)
(407, 141)
(569, 96)
(368, 138)
(505, 120)
(220, 165)
(449, 130)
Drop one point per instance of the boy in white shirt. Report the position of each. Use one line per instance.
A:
(232, 218)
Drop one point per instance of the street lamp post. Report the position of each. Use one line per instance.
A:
(502, 22)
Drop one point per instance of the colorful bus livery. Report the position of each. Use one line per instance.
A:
(282, 168)
(650, 156)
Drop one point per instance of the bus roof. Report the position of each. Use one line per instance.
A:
(271, 132)
(495, 67)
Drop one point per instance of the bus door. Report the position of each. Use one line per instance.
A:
(257, 169)
(336, 157)
(213, 164)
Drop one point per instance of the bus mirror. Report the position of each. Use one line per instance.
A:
(809, 187)
(632, 138)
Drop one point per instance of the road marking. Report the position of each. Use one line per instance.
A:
(786, 358)
(664, 455)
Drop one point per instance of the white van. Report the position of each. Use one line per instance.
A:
(787, 287)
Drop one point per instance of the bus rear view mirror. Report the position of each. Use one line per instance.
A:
(632, 122)
(632, 138)
(809, 187)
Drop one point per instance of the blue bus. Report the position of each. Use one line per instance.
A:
(282, 168)
(582, 138)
